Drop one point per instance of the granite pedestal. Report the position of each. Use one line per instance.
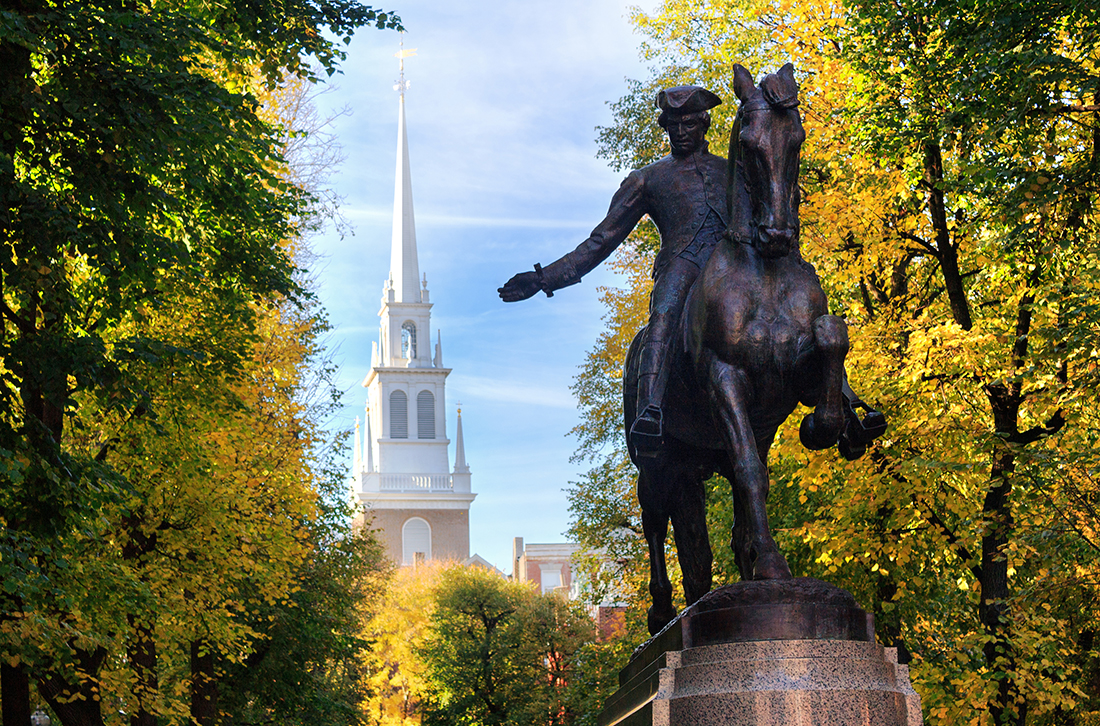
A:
(793, 653)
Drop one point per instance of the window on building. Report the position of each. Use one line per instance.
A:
(425, 415)
(416, 541)
(408, 339)
(551, 577)
(399, 415)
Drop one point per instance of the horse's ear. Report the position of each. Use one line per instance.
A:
(787, 73)
(742, 82)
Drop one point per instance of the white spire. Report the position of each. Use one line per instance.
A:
(404, 269)
(369, 446)
(460, 449)
(438, 360)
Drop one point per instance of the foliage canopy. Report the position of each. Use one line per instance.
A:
(949, 187)
(157, 479)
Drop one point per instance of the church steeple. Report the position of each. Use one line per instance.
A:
(401, 473)
(404, 268)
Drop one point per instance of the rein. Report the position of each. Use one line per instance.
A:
(737, 181)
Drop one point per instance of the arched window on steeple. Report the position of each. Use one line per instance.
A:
(416, 541)
(425, 415)
(399, 415)
(408, 339)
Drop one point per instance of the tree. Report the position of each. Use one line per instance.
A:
(304, 664)
(135, 174)
(993, 132)
(305, 668)
(498, 652)
(397, 629)
(949, 183)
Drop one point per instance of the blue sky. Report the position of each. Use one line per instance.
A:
(502, 109)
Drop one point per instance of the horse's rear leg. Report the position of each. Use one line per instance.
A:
(821, 428)
(655, 528)
(728, 391)
(661, 612)
(689, 525)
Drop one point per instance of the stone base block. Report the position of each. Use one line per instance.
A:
(766, 683)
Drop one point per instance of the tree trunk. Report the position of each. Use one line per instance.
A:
(947, 252)
(141, 648)
(143, 658)
(15, 691)
(204, 687)
(79, 704)
(993, 610)
(1004, 403)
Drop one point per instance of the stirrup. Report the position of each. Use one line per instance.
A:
(859, 432)
(647, 431)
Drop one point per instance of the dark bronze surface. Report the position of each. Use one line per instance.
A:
(755, 340)
(801, 608)
(739, 335)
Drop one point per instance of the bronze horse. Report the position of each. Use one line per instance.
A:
(756, 339)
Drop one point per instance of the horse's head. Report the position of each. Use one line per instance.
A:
(767, 136)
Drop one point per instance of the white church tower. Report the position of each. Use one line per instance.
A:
(401, 471)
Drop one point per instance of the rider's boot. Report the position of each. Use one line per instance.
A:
(648, 428)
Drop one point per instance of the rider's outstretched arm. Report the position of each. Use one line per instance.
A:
(628, 206)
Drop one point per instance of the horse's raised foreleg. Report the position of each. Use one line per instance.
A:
(689, 526)
(821, 428)
(655, 528)
(728, 390)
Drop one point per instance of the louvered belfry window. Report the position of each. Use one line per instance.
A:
(399, 415)
(425, 415)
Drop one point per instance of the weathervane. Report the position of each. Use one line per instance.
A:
(402, 85)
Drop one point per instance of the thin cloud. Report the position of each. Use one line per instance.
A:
(452, 220)
(494, 389)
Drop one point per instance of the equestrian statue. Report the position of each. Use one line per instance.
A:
(739, 331)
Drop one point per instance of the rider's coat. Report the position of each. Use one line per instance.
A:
(678, 193)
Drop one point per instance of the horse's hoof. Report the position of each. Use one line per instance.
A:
(771, 566)
(861, 432)
(816, 437)
(656, 620)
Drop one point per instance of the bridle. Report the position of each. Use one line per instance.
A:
(753, 105)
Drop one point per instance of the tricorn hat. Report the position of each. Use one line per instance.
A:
(682, 100)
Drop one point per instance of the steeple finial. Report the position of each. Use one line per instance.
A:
(402, 85)
(404, 269)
